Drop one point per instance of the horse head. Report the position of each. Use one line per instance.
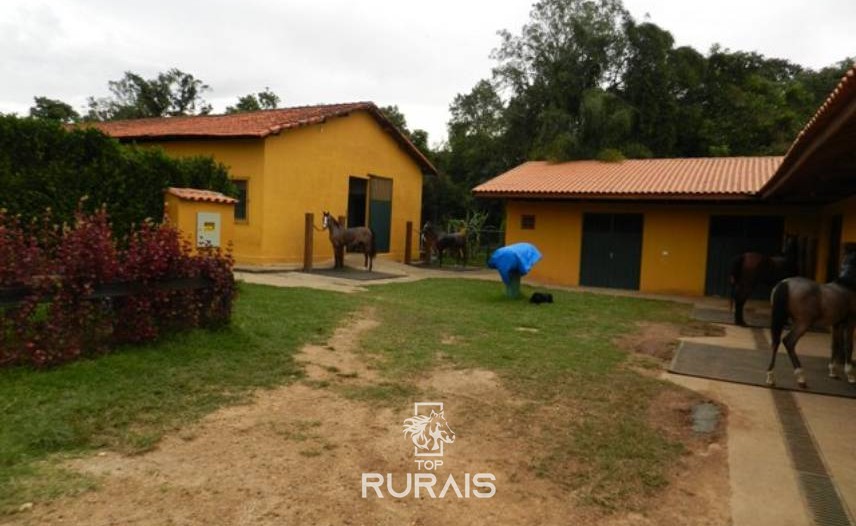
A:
(439, 430)
(325, 219)
(427, 432)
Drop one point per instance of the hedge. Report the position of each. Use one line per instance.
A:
(45, 166)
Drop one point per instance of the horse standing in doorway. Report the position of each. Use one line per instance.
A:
(808, 303)
(751, 269)
(357, 238)
(440, 242)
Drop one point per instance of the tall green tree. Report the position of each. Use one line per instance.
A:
(648, 85)
(418, 137)
(263, 100)
(171, 93)
(568, 48)
(53, 110)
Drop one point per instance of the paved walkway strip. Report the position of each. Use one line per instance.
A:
(817, 487)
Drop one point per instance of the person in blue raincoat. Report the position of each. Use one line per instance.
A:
(512, 262)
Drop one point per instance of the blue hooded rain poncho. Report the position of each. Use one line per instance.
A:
(514, 261)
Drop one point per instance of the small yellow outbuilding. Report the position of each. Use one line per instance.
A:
(205, 218)
(348, 159)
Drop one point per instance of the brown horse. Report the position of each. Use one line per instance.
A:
(439, 242)
(357, 238)
(808, 303)
(750, 269)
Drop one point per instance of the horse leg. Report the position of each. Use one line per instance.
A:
(775, 340)
(847, 353)
(837, 354)
(790, 341)
(740, 297)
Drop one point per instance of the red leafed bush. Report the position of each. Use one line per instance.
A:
(72, 291)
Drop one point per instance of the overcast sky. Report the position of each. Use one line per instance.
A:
(417, 55)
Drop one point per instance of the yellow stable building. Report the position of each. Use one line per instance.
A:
(344, 158)
(674, 226)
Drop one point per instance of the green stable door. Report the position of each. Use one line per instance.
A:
(380, 211)
(611, 251)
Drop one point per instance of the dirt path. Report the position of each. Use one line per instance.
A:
(295, 455)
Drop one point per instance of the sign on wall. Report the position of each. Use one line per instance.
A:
(207, 229)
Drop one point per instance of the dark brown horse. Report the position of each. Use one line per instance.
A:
(751, 269)
(807, 303)
(358, 238)
(440, 242)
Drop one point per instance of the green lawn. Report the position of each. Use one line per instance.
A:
(128, 400)
(561, 354)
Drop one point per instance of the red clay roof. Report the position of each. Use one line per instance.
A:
(193, 194)
(704, 178)
(250, 124)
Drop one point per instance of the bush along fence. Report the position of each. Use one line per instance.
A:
(75, 290)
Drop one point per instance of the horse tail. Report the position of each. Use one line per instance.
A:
(734, 275)
(780, 312)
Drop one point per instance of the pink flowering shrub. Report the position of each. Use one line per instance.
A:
(71, 291)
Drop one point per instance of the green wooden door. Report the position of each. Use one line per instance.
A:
(730, 236)
(611, 250)
(380, 211)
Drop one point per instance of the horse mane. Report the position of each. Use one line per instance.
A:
(415, 427)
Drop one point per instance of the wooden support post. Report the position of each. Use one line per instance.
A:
(408, 241)
(308, 235)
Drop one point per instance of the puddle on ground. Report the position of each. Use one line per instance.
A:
(705, 417)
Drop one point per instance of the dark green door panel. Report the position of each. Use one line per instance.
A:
(730, 236)
(380, 211)
(611, 250)
(380, 214)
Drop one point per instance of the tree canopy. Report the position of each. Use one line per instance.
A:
(53, 110)
(584, 80)
(169, 94)
(263, 100)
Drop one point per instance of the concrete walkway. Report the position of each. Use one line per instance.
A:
(765, 488)
(292, 276)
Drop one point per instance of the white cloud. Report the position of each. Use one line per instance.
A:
(415, 55)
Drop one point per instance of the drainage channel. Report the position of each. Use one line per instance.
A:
(816, 485)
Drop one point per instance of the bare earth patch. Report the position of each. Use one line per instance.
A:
(660, 340)
(295, 455)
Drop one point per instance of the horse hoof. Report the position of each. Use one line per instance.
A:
(802, 385)
(771, 380)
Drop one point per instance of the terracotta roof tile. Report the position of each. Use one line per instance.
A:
(644, 178)
(250, 124)
(193, 194)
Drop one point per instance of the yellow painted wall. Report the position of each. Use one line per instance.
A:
(674, 239)
(182, 214)
(245, 160)
(307, 170)
(847, 209)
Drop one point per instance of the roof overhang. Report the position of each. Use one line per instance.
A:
(821, 163)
